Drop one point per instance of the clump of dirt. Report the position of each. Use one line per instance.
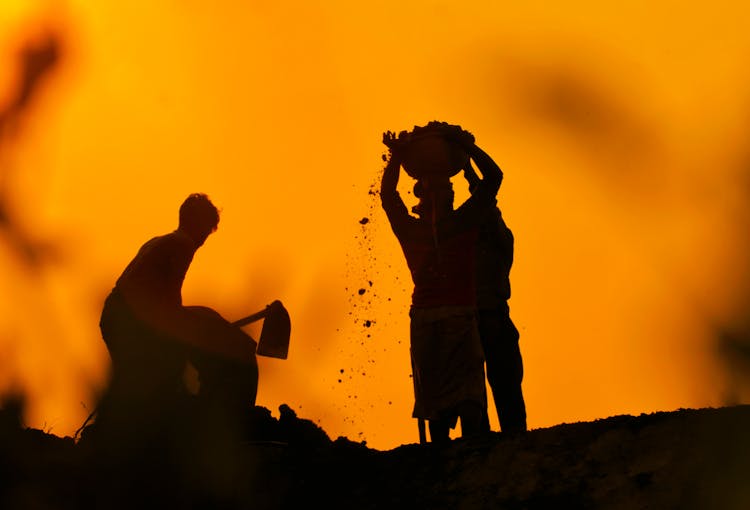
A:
(364, 300)
(446, 130)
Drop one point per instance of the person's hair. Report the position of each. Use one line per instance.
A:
(198, 210)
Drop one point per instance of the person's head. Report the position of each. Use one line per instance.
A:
(198, 217)
(435, 194)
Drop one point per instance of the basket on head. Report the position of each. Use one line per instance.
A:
(433, 154)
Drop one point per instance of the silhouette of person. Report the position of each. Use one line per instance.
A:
(151, 336)
(497, 332)
(439, 245)
(153, 442)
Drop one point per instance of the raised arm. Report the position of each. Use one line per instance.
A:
(389, 183)
(492, 176)
(471, 176)
(393, 205)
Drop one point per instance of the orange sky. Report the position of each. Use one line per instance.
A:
(620, 132)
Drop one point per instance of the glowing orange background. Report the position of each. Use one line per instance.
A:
(621, 132)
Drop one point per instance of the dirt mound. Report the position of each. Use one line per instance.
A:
(687, 459)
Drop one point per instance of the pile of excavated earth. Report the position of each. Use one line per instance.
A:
(686, 459)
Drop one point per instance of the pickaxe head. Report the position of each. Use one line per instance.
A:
(274, 336)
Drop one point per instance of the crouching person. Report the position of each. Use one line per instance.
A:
(146, 411)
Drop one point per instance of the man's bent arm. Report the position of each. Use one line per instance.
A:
(471, 176)
(492, 176)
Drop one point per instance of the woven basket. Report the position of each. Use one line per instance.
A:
(432, 154)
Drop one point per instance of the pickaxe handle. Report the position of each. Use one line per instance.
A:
(257, 315)
(252, 318)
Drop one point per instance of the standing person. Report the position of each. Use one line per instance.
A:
(496, 329)
(439, 247)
